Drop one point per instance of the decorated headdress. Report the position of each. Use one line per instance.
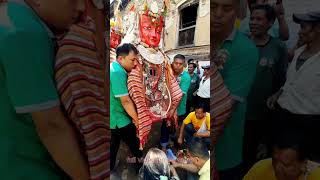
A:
(155, 9)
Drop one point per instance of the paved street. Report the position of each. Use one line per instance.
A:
(126, 171)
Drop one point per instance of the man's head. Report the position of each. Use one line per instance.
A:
(191, 61)
(127, 56)
(58, 14)
(289, 156)
(191, 67)
(178, 63)
(206, 70)
(253, 3)
(224, 14)
(309, 26)
(199, 111)
(199, 154)
(261, 19)
(150, 29)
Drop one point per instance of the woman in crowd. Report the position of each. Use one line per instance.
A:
(156, 167)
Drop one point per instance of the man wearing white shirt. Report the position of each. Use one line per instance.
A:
(298, 100)
(203, 93)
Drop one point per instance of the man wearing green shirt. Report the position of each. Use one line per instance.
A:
(123, 112)
(36, 141)
(270, 76)
(279, 28)
(184, 83)
(238, 73)
(194, 85)
(183, 79)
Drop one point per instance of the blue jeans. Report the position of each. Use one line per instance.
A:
(165, 134)
(165, 131)
(188, 136)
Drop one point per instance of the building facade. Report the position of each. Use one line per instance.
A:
(187, 29)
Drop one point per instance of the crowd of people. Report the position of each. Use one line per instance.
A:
(194, 128)
(259, 119)
(147, 87)
(53, 101)
(266, 90)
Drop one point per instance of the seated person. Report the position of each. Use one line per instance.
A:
(156, 167)
(196, 126)
(289, 162)
(199, 158)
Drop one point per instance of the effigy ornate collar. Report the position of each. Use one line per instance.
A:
(150, 54)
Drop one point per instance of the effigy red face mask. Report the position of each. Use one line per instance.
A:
(115, 40)
(150, 30)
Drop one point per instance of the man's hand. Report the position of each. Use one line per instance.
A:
(129, 107)
(271, 102)
(175, 164)
(279, 9)
(173, 170)
(202, 134)
(135, 122)
(196, 134)
(195, 93)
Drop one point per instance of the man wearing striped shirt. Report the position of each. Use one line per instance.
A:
(81, 79)
(124, 115)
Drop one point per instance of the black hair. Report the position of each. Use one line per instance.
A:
(125, 49)
(179, 56)
(269, 11)
(199, 149)
(200, 106)
(292, 139)
(190, 60)
(193, 64)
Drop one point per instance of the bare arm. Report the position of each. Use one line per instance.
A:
(173, 171)
(204, 134)
(188, 167)
(130, 108)
(283, 26)
(181, 131)
(60, 139)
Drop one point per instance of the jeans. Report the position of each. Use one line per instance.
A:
(188, 136)
(166, 131)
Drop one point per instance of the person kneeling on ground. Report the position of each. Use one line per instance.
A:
(196, 126)
(156, 167)
(289, 162)
(200, 160)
